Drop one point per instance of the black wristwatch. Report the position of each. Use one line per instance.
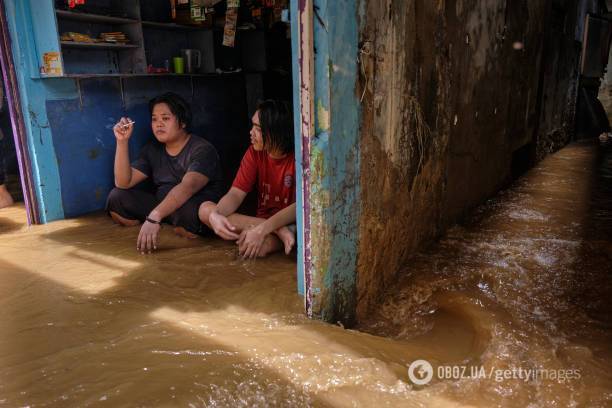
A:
(152, 221)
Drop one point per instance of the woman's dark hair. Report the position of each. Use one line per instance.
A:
(178, 106)
(276, 121)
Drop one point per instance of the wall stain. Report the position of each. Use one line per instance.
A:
(92, 154)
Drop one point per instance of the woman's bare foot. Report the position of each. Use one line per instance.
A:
(287, 237)
(5, 197)
(126, 222)
(182, 232)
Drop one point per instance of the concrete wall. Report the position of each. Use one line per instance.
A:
(451, 91)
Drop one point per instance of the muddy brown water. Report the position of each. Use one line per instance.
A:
(525, 283)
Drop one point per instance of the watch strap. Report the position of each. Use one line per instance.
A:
(152, 221)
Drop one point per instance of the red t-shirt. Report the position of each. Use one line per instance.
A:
(275, 180)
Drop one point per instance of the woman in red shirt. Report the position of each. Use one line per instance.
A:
(268, 165)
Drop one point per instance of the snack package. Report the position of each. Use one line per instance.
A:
(229, 33)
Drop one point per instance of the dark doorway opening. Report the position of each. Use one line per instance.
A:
(522, 160)
(10, 183)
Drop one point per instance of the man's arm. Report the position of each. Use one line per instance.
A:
(230, 202)
(284, 217)
(250, 241)
(228, 205)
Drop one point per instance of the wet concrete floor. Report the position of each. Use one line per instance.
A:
(525, 283)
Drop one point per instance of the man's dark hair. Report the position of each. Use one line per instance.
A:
(178, 106)
(276, 121)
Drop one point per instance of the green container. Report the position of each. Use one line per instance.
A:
(179, 65)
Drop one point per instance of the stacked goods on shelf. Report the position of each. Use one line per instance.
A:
(116, 37)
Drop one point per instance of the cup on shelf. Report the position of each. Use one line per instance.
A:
(179, 65)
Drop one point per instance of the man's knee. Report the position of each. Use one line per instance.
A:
(270, 245)
(206, 208)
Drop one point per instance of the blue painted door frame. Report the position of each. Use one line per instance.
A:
(325, 49)
(13, 108)
(26, 30)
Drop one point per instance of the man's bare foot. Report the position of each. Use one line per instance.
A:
(182, 232)
(287, 237)
(126, 222)
(5, 197)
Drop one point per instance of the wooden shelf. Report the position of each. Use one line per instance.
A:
(74, 44)
(93, 18)
(171, 75)
(77, 76)
(159, 42)
(172, 26)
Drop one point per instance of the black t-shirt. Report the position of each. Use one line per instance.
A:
(197, 155)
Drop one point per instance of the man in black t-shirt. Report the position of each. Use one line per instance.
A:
(184, 169)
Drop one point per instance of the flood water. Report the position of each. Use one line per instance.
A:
(525, 283)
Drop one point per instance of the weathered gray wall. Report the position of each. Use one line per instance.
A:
(448, 97)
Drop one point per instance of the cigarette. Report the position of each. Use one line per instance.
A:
(127, 124)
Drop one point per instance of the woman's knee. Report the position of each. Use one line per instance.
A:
(206, 208)
(115, 199)
(185, 217)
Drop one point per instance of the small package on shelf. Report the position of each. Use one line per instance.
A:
(117, 37)
(201, 14)
(76, 37)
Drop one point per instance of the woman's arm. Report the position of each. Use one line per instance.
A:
(191, 183)
(125, 176)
